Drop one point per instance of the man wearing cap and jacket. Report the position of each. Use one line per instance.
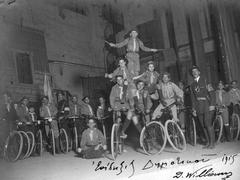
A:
(201, 104)
(133, 44)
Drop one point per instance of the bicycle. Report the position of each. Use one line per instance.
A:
(218, 124)
(117, 142)
(234, 124)
(50, 135)
(152, 137)
(63, 138)
(38, 146)
(13, 146)
(74, 142)
(174, 133)
(191, 131)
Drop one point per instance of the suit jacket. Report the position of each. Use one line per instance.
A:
(129, 42)
(122, 72)
(97, 138)
(115, 100)
(75, 109)
(44, 111)
(199, 90)
(23, 114)
(225, 98)
(143, 101)
(234, 96)
(9, 115)
(85, 110)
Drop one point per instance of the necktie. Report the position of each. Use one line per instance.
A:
(134, 45)
(124, 74)
(32, 116)
(151, 78)
(121, 92)
(91, 135)
(48, 110)
(8, 107)
(90, 109)
(137, 93)
(75, 109)
(220, 96)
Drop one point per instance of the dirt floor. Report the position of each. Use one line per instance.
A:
(130, 165)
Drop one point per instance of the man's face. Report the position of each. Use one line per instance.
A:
(91, 124)
(122, 63)
(101, 100)
(45, 101)
(234, 85)
(220, 86)
(25, 102)
(74, 99)
(86, 100)
(195, 73)
(31, 109)
(140, 85)
(120, 81)
(151, 67)
(134, 34)
(165, 78)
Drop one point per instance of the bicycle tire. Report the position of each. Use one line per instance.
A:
(26, 145)
(52, 142)
(75, 138)
(115, 140)
(218, 128)
(146, 133)
(32, 142)
(39, 143)
(234, 126)
(63, 140)
(168, 128)
(8, 147)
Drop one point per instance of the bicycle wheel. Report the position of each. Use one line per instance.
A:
(52, 142)
(26, 145)
(153, 138)
(32, 142)
(75, 140)
(218, 128)
(39, 143)
(115, 140)
(193, 132)
(234, 126)
(13, 146)
(175, 136)
(63, 138)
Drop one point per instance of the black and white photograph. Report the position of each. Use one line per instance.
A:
(119, 89)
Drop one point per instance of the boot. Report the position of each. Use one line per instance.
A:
(206, 134)
(58, 151)
(227, 133)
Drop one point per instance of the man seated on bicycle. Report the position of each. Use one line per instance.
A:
(143, 104)
(75, 111)
(129, 88)
(25, 123)
(93, 143)
(48, 111)
(222, 103)
(234, 94)
(119, 102)
(169, 94)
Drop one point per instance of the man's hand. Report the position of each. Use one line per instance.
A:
(147, 111)
(194, 112)
(111, 44)
(154, 50)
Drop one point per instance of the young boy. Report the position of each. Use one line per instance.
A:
(93, 143)
(222, 102)
(170, 92)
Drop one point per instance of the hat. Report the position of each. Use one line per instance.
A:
(195, 67)
(150, 62)
(85, 98)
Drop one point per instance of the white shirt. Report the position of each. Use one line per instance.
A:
(121, 92)
(197, 79)
(134, 44)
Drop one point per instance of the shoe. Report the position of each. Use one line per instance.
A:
(123, 135)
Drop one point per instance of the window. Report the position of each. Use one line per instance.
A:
(24, 70)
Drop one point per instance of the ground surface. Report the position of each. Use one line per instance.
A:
(69, 167)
